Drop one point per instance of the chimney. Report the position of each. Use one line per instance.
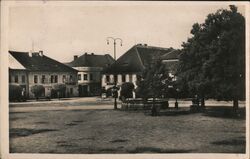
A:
(35, 54)
(75, 57)
(41, 52)
(30, 53)
(86, 53)
(92, 53)
(145, 44)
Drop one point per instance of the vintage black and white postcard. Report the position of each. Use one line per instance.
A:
(124, 79)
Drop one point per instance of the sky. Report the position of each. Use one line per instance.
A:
(63, 31)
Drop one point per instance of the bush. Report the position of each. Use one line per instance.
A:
(15, 92)
(60, 89)
(127, 90)
(38, 90)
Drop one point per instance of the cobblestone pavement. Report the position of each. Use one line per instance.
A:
(91, 126)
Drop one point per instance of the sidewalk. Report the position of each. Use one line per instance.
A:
(99, 100)
(62, 100)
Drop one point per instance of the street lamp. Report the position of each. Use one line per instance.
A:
(115, 89)
(176, 102)
(114, 40)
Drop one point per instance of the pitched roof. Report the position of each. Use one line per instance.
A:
(137, 58)
(14, 64)
(40, 62)
(92, 60)
(171, 55)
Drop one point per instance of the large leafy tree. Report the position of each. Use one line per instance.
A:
(15, 91)
(212, 63)
(127, 89)
(154, 81)
(60, 89)
(38, 90)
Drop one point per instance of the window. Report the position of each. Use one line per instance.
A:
(71, 78)
(123, 78)
(35, 79)
(23, 79)
(85, 77)
(91, 77)
(56, 78)
(64, 78)
(107, 78)
(16, 78)
(130, 78)
(43, 78)
(115, 78)
(79, 76)
(52, 79)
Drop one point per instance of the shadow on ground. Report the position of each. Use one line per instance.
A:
(229, 142)
(210, 111)
(225, 112)
(157, 150)
(23, 132)
(121, 149)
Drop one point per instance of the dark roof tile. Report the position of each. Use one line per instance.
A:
(136, 59)
(90, 60)
(40, 62)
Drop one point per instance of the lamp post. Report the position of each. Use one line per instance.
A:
(115, 89)
(176, 102)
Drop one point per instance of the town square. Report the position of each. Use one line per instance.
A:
(126, 78)
(92, 126)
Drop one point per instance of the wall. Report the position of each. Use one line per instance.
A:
(93, 85)
(19, 74)
(129, 78)
(48, 85)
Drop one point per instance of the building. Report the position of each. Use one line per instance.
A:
(18, 74)
(38, 69)
(90, 67)
(129, 67)
(170, 61)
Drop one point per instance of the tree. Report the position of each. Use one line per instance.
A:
(38, 90)
(60, 89)
(154, 82)
(15, 91)
(127, 90)
(212, 62)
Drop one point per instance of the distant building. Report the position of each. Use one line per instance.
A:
(170, 61)
(129, 67)
(38, 69)
(18, 74)
(90, 67)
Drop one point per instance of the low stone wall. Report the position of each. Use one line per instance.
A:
(138, 103)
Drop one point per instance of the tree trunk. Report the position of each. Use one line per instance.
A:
(235, 103)
(202, 102)
(176, 103)
(154, 111)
